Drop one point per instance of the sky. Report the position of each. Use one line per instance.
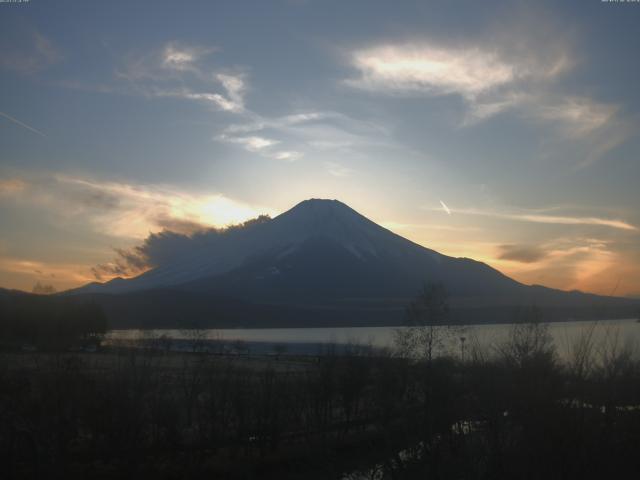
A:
(506, 132)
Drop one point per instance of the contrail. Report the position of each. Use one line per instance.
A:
(18, 122)
(446, 209)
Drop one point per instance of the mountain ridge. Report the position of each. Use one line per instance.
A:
(308, 222)
(323, 254)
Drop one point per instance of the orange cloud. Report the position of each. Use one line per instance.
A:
(11, 186)
(23, 273)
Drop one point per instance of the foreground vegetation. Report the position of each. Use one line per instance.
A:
(510, 412)
(49, 323)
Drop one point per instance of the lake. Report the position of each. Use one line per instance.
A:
(317, 340)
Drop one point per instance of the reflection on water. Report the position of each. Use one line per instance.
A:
(564, 334)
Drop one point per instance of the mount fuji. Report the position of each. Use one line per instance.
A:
(319, 263)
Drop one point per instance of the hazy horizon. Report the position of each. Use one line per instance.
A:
(506, 133)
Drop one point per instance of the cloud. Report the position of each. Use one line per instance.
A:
(163, 217)
(252, 144)
(145, 208)
(338, 170)
(598, 126)
(157, 249)
(514, 73)
(394, 226)
(216, 99)
(179, 225)
(177, 59)
(521, 253)
(579, 115)
(287, 156)
(232, 101)
(127, 263)
(511, 69)
(619, 224)
(430, 69)
(165, 247)
(172, 61)
(180, 71)
(183, 58)
(315, 129)
(301, 132)
(262, 145)
(587, 264)
(282, 126)
(28, 53)
(11, 186)
(613, 273)
(257, 122)
(534, 217)
(235, 86)
(489, 75)
(28, 269)
(125, 209)
(483, 108)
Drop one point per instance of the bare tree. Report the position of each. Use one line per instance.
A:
(529, 340)
(428, 316)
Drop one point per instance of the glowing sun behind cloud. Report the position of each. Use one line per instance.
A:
(220, 211)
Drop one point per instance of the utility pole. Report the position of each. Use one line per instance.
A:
(462, 340)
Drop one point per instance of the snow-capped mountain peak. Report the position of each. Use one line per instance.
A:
(314, 221)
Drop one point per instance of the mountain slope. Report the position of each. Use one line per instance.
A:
(319, 255)
(320, 243)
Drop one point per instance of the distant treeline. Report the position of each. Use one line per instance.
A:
(171, 308)
(49, 322)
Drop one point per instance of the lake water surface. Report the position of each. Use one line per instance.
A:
(314, 340)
